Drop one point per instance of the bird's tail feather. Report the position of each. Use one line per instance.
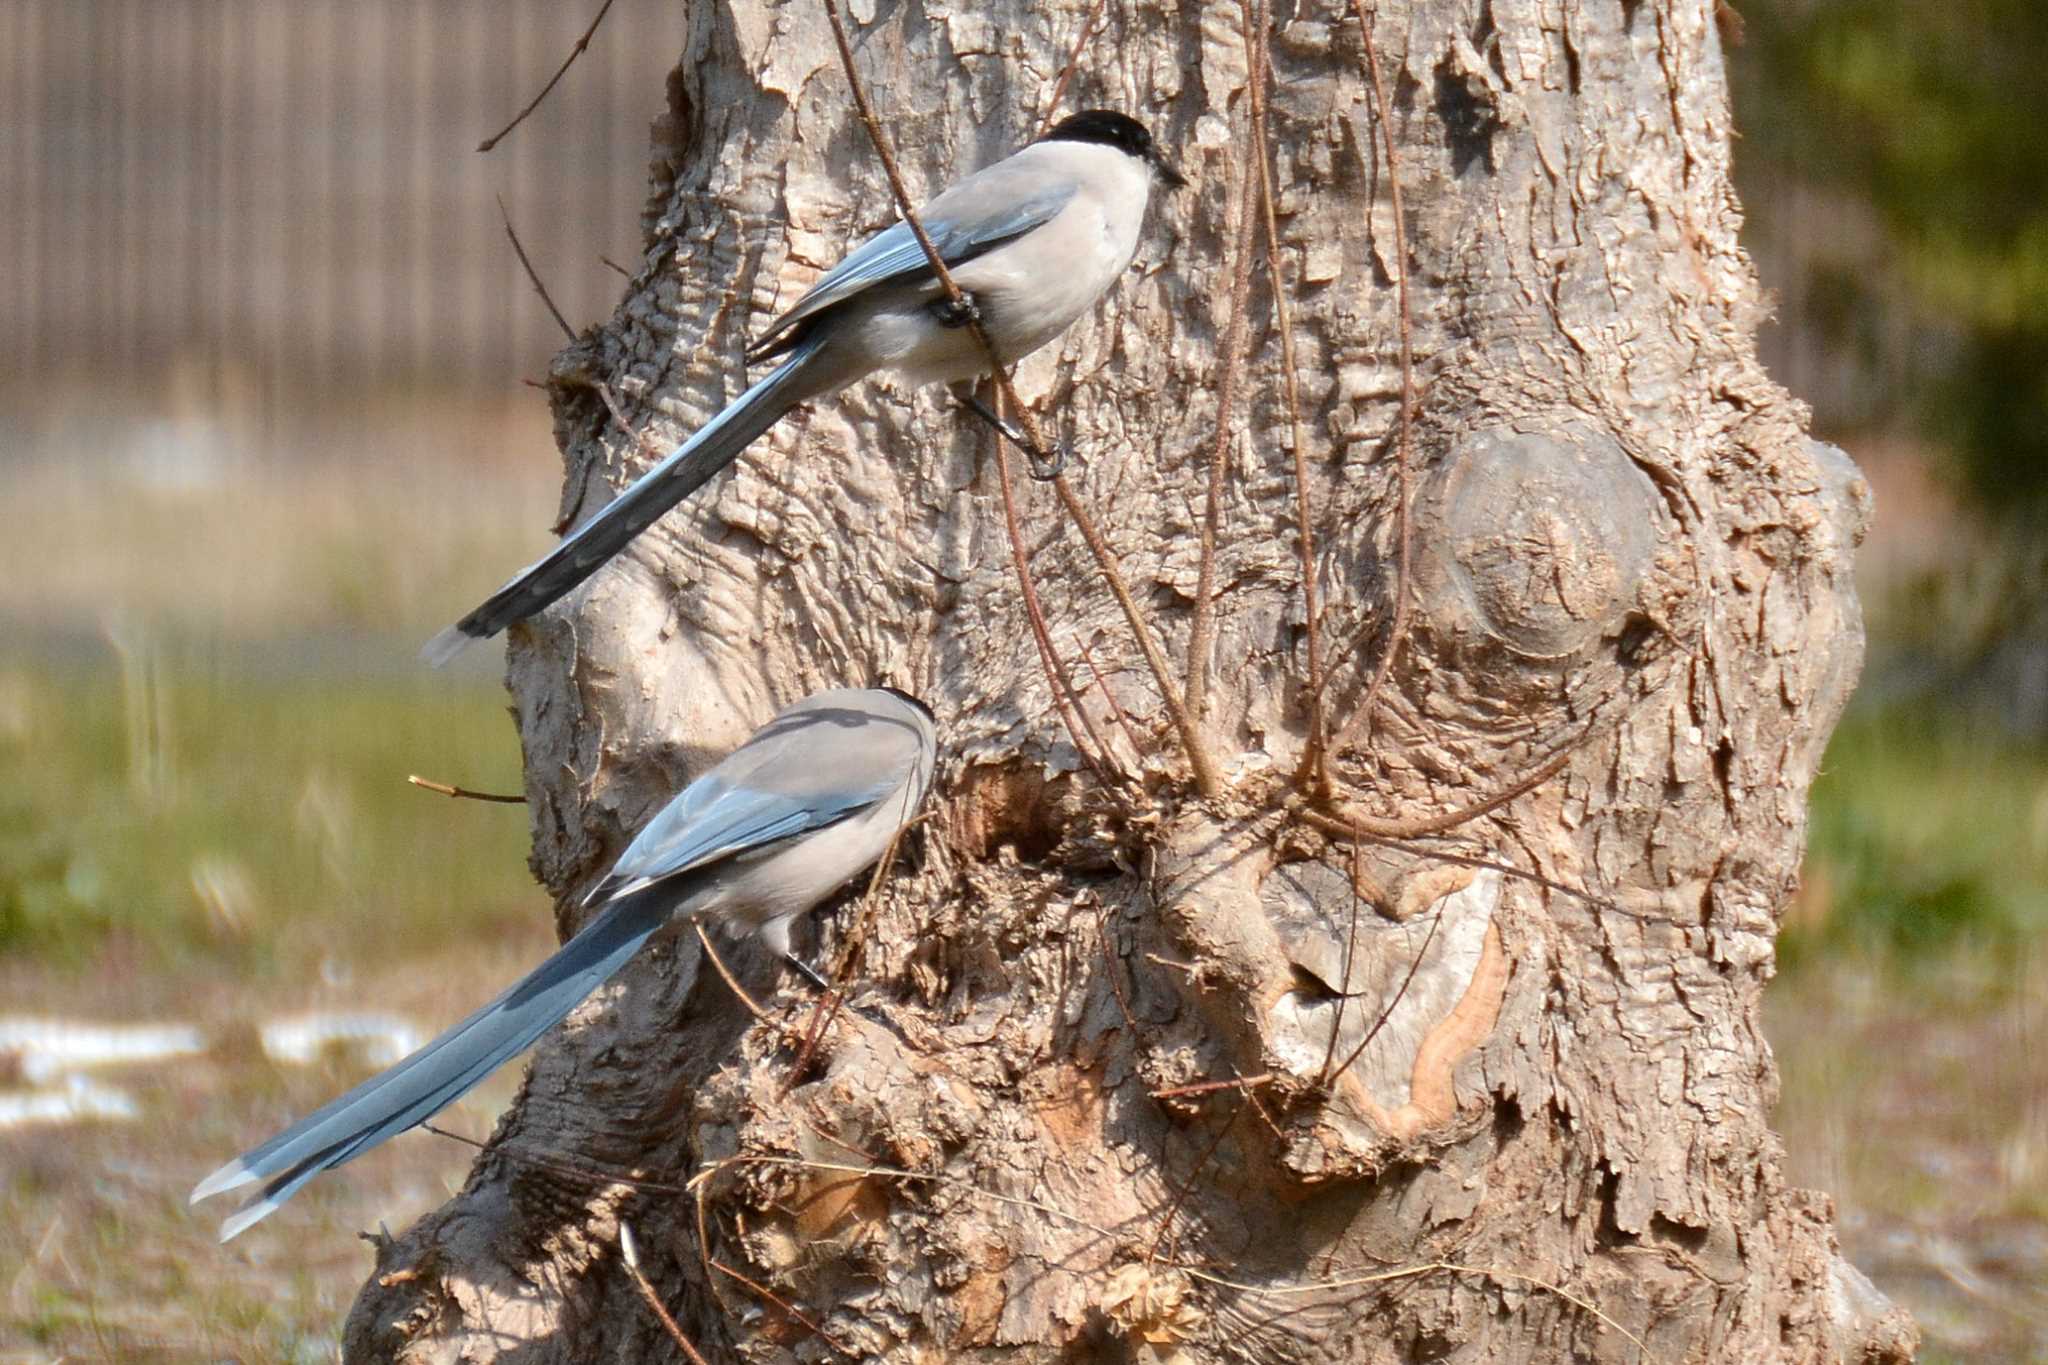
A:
(445, 1069)
(587, 548)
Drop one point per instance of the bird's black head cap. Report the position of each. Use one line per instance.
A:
(1120, 131)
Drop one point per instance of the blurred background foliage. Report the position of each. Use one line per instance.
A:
(1893, 165)
(1930, 115)
(262, 431)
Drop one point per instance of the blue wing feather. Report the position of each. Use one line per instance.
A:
(713, 820)
(894, 256)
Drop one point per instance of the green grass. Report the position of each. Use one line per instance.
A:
(1928, 837)
(180, 804)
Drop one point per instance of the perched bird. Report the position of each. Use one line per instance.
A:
(775, 827)
(1032, 241)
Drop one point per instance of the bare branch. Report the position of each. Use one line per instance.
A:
(1449, 820)
(582, 44)
(731, 981)
(1187, 1186)
(789, 1309)
(1206, 779)
(531, 274)
(1116, 710)
(1111, 963)
(1059, 87)
(584, 1174)
(463, 793)
(1211, 1087)
(630, 1254)
(1064, 695)
(827, 1007)
(1414, 966)
(1315, 761)
(1344, 968)
(1337, 828)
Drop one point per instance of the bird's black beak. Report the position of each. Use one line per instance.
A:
(1174, 179)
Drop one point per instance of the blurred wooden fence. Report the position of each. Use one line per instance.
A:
(288, 189)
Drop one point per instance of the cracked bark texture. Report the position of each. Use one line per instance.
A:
(1553, 1142)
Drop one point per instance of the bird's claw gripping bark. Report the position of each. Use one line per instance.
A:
(1044, 466)
(960, 312)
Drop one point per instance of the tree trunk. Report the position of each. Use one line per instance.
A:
(1630, 580)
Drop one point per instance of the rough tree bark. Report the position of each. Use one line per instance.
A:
(1627, 558)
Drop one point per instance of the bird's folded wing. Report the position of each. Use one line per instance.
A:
(824, 760)
(894, 255)
(727, 820)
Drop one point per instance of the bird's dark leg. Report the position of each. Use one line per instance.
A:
(807, 972)
(873, 1016)
(1043, 467)
(960, 312)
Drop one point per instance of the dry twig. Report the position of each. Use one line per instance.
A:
(1187, 1187)
(1065, 698)
(1350, 947)
(1450, 820)
(533, 275)
(1059, 87)
(630, 1254)
(584, 1174)
(1337, 828)
(731, 981)
(1206, 778)
(790, 1310)
(640, 440)
(1414, 966)
(1202, 630)
(1116, 710)
(463, 793)
(1111, 963)
(827, 1007)
(1111, 1236)
(582, 44)
(1244, 1083)
(1315, 764)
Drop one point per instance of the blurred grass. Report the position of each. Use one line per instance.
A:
(201, 811)
(1928, 836)
(210, 701)
(221, 835)
(1908, 1019)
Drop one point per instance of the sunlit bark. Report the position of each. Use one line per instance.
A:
(1630, 566)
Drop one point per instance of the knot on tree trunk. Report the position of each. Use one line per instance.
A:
(1540, 546)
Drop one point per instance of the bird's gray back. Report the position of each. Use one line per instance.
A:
(830, 743)
(823, 760)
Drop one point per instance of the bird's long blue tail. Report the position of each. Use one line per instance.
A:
(444, 1070)
(585, 550)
